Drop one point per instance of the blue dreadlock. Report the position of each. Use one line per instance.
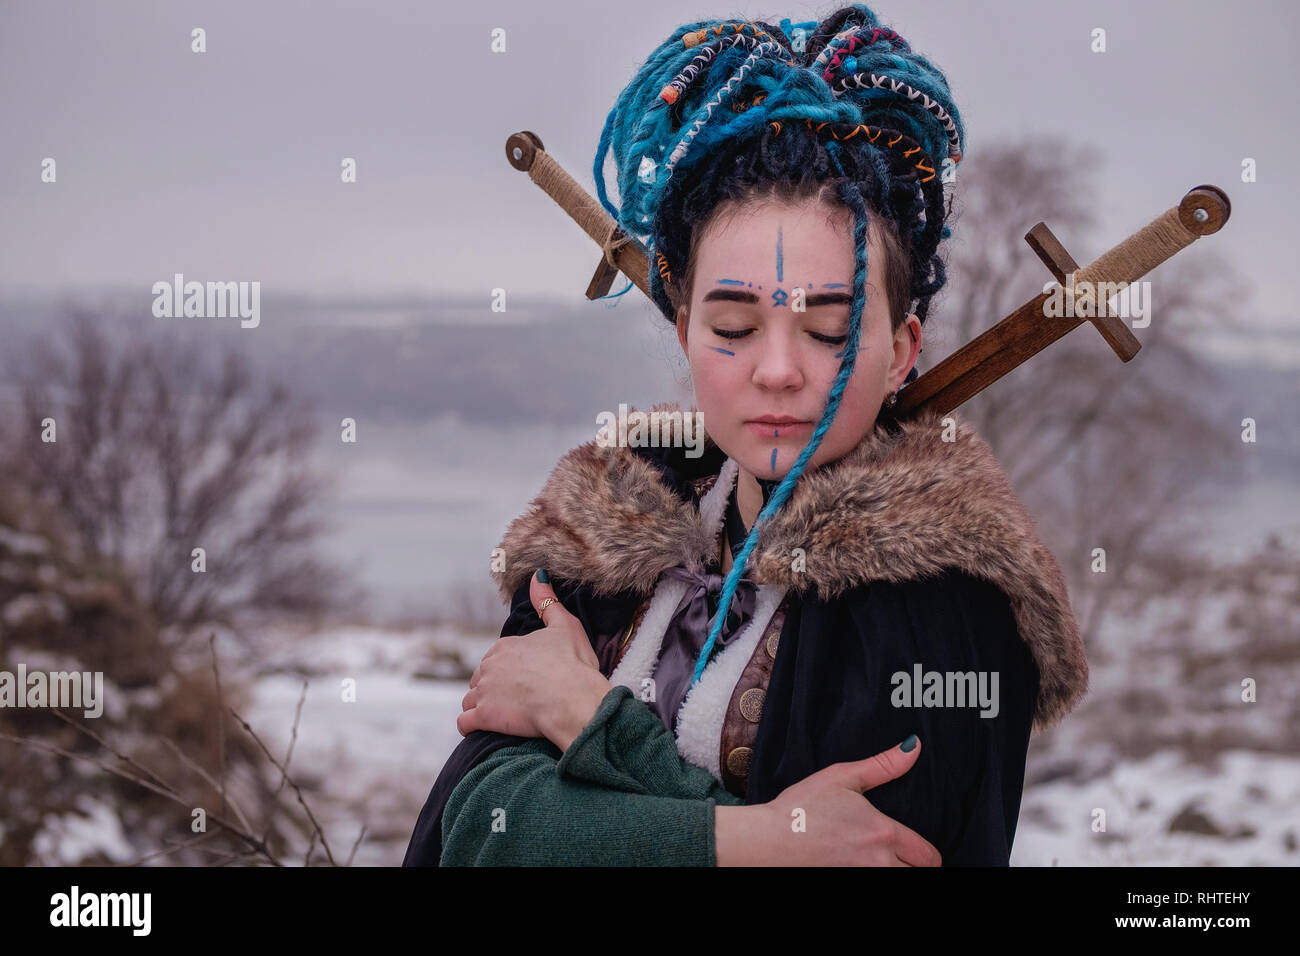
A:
(721, 108)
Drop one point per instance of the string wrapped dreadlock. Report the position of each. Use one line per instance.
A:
(722, 107)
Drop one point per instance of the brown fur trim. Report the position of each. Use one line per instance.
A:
(897, 507)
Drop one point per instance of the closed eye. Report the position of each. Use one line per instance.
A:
(830, 339)
(741, 333)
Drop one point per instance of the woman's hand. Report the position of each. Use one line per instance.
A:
(543, 684)
(840, 827)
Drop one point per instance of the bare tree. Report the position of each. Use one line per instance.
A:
(157, 454)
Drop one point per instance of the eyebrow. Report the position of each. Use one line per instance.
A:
(749, 298)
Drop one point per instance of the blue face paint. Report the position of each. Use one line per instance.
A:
(731, 282)
(780, 265)
(723, 351)
(773, 461)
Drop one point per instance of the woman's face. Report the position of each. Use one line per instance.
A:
(755, 355)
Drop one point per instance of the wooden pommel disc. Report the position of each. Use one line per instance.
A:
(1204, 210)
(521, 150)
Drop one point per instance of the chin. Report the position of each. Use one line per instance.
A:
(754, 451)
(755, 456)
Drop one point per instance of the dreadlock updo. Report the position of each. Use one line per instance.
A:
(730, 111)
(841, 112)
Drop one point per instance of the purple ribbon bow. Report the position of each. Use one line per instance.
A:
(689, 629)
(695, 611)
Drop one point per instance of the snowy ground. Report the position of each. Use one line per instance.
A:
(376, 758)
(1243, 812)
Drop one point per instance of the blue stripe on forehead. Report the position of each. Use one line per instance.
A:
(780, 266)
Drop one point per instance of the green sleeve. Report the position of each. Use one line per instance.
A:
(619, 796)
(625, 746)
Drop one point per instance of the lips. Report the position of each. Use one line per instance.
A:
(770, 426)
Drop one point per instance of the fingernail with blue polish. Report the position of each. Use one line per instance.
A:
(908, 745)
(543, 576)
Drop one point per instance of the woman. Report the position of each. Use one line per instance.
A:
(881, 581)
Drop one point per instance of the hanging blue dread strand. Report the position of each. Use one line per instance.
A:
(853, 198)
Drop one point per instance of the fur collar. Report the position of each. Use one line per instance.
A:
(904, 504)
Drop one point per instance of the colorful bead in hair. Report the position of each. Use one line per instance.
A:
(664, 272)
(876, 81)
(691, 40)
(673, 90)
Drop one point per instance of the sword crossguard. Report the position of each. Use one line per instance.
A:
(1028, 329)
(1202, 211)
(1061, 264)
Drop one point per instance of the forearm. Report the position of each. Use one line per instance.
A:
(565, 718)
(620, 795)
(513, 809)
(626, 747)
(746, 836)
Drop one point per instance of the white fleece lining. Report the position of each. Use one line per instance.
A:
(699, 722)
(700, 719)
(642, 656)
(713, 506)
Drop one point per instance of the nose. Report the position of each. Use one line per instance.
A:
(778, 366)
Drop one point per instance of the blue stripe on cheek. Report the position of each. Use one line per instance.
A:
(723, 351)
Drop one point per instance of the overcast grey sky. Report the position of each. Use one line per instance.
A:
(225, 165)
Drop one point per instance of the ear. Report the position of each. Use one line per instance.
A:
(907, 347)
(683, 320)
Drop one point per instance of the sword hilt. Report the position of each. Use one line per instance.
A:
(1027, 331)
(623, 253)
(1201, 212)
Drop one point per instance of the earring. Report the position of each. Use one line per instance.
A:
(891, 399)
